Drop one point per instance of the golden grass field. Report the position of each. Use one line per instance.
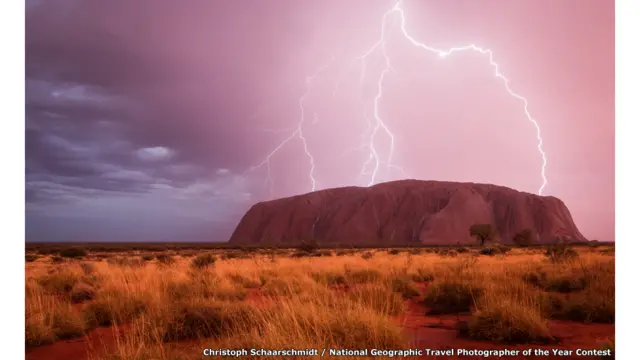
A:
(172, 305)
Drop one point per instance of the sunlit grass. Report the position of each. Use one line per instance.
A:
(275, 300)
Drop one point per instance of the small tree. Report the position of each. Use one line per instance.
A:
(523, 238)
(482, 232)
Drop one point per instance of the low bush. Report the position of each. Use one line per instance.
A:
(73, 252)
(488, 251)
(82, 292)
(405, 287)
(453, 295)
(165, 259)
(203, 261)
(147, 257)
(367, 255)
(508, 321)
(560, 253)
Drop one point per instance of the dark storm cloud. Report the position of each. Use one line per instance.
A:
(179, 66)
(106, 106)
(143, 107)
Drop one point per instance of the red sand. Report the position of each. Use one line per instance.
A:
(97, 340)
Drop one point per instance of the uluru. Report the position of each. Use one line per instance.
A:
(405, 212)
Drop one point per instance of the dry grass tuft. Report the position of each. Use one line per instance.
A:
(82, 292)
(165, 259)
(147, 257)
(362, 275)
(205, 319)
(68, 322)
(248, 281)
(288, 285)
(329, 278)
(404, 286)
(114, 307)
(59, 283)
(378, 297)
(47, 318)
(562, 278)
(451, 295)
(203, 261)
(507, 321)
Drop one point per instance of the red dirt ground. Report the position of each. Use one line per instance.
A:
(77, 349)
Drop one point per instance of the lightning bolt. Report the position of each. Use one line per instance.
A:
(497, 73)
(376, 126)
(295, 133)
(379, 124)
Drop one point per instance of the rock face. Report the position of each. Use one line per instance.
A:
(406, 212)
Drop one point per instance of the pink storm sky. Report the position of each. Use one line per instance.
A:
(218, 85)
(452, 119)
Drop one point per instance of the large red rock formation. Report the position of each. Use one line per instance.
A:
(403, 213)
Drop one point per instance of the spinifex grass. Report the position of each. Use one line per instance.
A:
(273, 300)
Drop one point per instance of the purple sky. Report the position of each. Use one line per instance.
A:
(144, 117)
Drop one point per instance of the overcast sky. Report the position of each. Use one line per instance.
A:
(144, 118)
